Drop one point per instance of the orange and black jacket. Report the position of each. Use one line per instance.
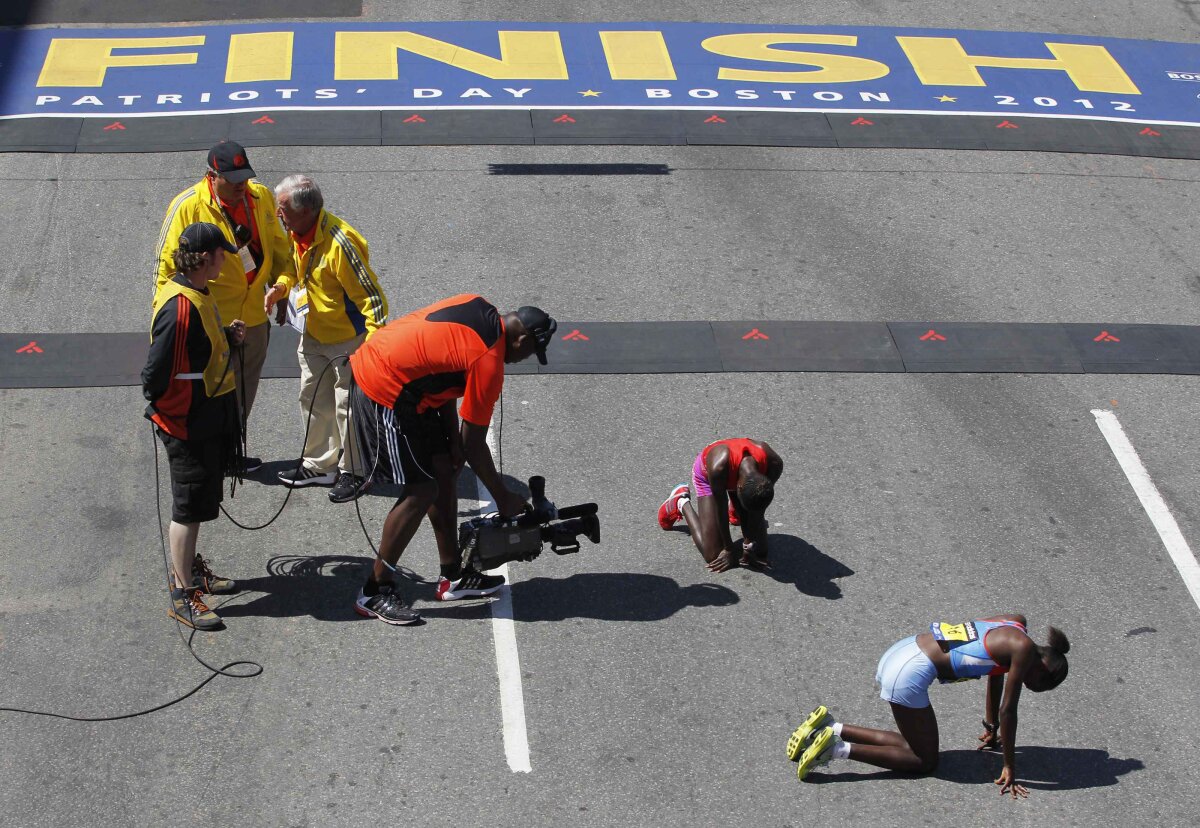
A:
(188, 379)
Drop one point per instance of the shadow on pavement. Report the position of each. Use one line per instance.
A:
(796, 561)
(601, 595)
(321, 586)
(612, 597)
(1038, 768)
(1041, 768)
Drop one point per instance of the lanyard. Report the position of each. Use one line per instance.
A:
(233, 225)
(311, 258)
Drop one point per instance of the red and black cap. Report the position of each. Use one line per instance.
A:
(228, 159)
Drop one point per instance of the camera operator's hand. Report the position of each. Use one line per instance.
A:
(510, 504)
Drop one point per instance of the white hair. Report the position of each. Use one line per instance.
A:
(300, 193)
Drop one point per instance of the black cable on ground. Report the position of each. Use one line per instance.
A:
(403, 571)
(225, 670)
(256, 669)
(237, 476)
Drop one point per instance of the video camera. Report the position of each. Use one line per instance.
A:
(489, 541)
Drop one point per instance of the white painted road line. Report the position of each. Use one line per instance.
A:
(508, 669)
(1152, 502)
(508, 661)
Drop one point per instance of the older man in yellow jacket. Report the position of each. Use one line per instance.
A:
(244, 209)
(336, 302)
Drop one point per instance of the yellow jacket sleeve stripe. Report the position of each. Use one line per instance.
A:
(372, 303)
(163, 262)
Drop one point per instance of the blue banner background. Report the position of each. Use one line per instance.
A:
(1008, 91)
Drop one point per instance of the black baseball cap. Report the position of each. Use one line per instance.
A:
(540, 325)
(203, 237)
(228, 159)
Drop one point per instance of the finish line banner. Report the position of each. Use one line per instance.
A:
(476, 65)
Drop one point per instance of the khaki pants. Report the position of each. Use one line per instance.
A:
(247, 371)
(329, 434)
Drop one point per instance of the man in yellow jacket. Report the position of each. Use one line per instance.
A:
(336, 302)
(244, 209)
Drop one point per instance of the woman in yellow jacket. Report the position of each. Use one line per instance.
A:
(189, 384)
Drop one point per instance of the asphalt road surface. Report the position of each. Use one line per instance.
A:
(654, 692)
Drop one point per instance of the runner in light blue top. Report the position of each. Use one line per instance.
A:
(998, 647)
(971, 658)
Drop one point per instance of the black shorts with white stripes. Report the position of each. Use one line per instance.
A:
(396, 445)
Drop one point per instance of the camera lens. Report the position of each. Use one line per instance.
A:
(588, 526)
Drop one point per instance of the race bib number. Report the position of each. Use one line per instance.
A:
(297, 308)
(951, 635)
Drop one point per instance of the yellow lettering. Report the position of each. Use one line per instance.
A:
(637, 56)
(78, 61)
(830, 68)
(523, 55)
(261, 56)
(942, 61)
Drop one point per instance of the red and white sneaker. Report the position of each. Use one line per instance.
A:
(734, 520)
(470, 584)
(668, 512)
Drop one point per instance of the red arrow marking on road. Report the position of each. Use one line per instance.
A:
(862, 122)
(114, 125)
(575, 336)
(714, 119)
(31, 348)
(414, 119)
(1105, 336)
(1150, 132)
(564, 119)
(932, 335)
(1007, 125)
(756, 334)
(266, 119)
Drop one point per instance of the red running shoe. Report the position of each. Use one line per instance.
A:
(668, 512)
(734, 520)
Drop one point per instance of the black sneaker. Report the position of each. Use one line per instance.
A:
(348, 487)
(387, 606)
(470, 584)
(251, 464)
(306, 477)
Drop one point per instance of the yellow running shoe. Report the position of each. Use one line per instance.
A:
(816, 720)
(819, 752)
